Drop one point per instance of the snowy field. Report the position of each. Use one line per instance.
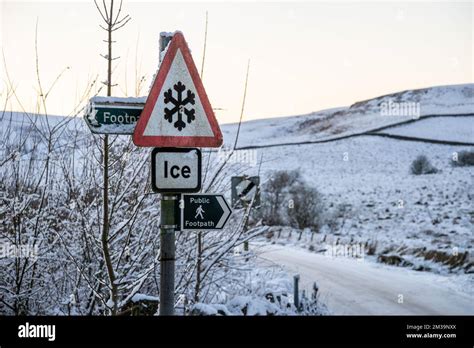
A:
(368, 175)
(358, 118)
(424, 220)
(384, 202)
(419, 223)
(440, 128)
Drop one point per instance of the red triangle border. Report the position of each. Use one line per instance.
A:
(177, 42)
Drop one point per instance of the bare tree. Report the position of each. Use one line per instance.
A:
(113, 22)
(93, 259)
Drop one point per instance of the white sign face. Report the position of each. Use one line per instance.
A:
(176, 170)
(178, 111)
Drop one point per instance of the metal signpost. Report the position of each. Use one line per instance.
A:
(177, 115)
(175, 118)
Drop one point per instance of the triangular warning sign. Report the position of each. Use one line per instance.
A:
(177, 112)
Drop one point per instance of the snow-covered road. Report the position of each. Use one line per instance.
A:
(349, 286)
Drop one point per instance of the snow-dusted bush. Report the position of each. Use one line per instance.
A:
(421, 165)
(288, 200)
(464, 158)
(51, 200)
(312, 305)
(371, 247)
(269, 294)
(305, 208)
(275, 195)
(336, 217)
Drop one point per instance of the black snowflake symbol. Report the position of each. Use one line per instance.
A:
(179, 105)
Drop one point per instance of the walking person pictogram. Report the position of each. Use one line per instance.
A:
(199, 212)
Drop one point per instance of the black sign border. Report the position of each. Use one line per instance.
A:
(157, 150)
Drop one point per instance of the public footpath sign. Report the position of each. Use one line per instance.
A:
(175, 170)
(202, 212)
(112, 115)
(177, 112)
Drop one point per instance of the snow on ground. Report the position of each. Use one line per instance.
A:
(360, 117)
(22, 121)
(273, 130)
(269, 291)
(326, 124)
(29, 131)
(355, 287)
(369, 176)
(384, 203)
(439, 128)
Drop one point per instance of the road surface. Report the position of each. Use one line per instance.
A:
(353, 287)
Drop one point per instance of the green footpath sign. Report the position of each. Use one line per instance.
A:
(113, 115)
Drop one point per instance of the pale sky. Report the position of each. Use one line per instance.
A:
(305, 56)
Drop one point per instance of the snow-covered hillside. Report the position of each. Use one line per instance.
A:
(358, 118)
(368, 175)
(421, 222)
(449, 128)
(383, 202)
(328, 124)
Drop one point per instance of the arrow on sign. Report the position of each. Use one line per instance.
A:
(227, 211)
(204, 212)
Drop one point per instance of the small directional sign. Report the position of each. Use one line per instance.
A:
(203, 212)
(177, 112)
(244, 189)
(175, 170)
(106, 115)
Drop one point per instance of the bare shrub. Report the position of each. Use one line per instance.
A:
(465, 158)
(421, 165)
(289, 201)
(274, 193)
(305, 208)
